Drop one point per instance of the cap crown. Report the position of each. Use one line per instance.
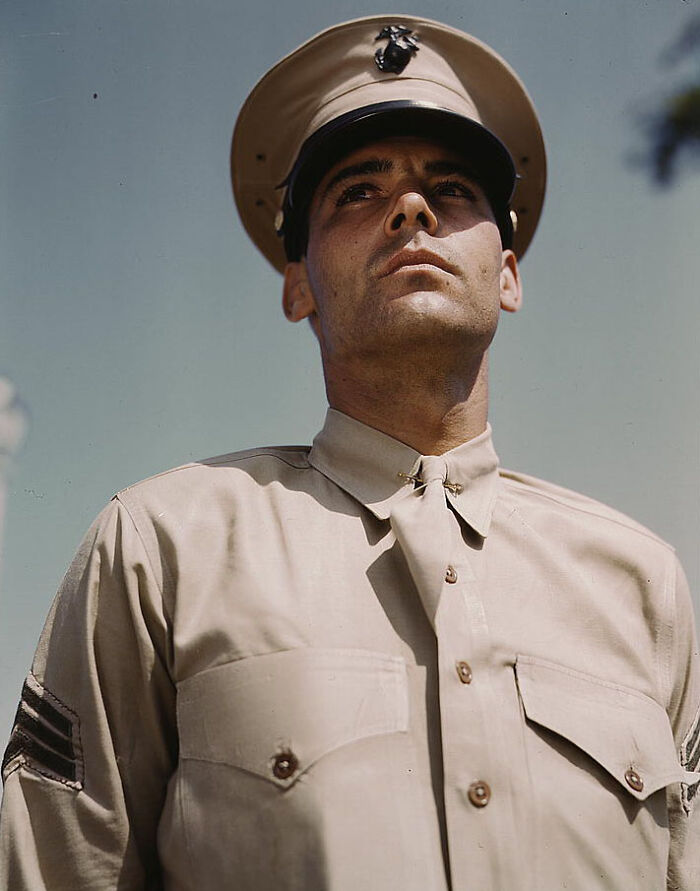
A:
(337, 72)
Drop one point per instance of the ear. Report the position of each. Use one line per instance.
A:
(510, 284)
(297, 299)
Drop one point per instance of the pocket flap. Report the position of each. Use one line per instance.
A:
(625, 731)
(276, 714)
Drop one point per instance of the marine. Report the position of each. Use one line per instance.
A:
(381, 661)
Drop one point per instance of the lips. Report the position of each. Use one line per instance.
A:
(416, 258)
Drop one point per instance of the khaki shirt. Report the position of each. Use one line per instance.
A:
(268, 671)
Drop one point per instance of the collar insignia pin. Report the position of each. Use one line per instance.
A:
(402, 46)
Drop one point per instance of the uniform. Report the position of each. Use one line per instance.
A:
(356, 666)
(260, 696)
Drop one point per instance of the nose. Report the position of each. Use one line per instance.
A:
(410, 210)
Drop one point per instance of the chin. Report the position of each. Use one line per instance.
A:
(435, 307)
(425, 300)
(427, 326)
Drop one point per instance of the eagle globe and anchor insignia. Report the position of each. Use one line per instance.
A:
(402, 46)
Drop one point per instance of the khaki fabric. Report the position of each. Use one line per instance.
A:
(294, 669)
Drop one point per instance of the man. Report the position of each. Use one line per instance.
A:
(381, 662)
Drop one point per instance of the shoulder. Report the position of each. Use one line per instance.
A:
(211, 491)
(258, 464)
(179, 513)
(557, 500)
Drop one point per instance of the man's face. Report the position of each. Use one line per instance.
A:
(403, 253)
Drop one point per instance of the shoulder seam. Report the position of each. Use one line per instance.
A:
(631, 525)
(231, 458)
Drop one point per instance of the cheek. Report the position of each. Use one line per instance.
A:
(483, 252)
(333, 263)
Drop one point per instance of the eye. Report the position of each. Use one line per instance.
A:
(356, 192)
(454, 188)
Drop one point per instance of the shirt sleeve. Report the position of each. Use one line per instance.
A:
(684, 712)
(94, 741)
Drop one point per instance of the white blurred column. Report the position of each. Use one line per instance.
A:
(13, 428)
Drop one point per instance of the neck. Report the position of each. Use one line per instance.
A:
(429, 409)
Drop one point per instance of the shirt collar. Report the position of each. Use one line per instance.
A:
(372, 467)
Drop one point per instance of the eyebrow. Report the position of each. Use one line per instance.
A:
(448, 168)
(385, 165)
(372, 165)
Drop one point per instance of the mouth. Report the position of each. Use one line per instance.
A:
(407, 259)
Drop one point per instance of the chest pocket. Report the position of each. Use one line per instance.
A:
(624, 731)
(275, 715)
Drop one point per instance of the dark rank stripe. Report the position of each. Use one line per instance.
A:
(45, 737)
(692, 746)
(39, 756)
(45, 710)
(43, 733)
(690, 757)
(694, 759)
(693, 736)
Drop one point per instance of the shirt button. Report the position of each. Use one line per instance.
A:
(634, 781)
(464, 672)
(451, 575)
(284, 765)
(479, 793)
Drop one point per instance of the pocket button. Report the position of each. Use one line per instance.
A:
(634, 781)
(284, 765)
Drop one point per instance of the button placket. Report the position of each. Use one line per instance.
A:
(451, 574)
(464, 672)
(479, 793)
